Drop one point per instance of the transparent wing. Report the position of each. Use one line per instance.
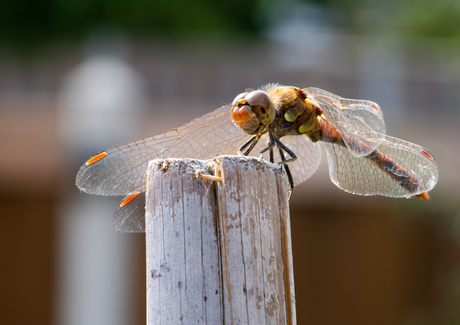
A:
(368, 112)
(308, 155)
(121, 170)
(131, 217)
(396, 168)
(368, 119)
(368, 105)
(355, 118)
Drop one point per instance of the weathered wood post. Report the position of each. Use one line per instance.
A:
(218, 252)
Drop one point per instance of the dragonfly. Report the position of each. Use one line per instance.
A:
(282, 124)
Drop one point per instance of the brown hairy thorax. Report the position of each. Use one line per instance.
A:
(287, 98)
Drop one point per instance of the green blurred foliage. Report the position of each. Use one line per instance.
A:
(27, 24)
(430, 18)
(419, 18)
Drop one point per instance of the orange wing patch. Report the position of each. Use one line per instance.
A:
(427, 154)
(97, 157)
(129, 198)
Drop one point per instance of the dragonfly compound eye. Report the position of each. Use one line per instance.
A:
(239, 99)
(262, 106)
(243, 115)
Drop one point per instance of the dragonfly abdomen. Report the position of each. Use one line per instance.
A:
(395, 171)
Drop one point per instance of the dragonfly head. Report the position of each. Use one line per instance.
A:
(253, 110)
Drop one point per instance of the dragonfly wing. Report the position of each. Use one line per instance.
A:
(370, 106)
(366, 111)
(121, 170)
(369, 120)
(130, 216)
(308, 155)
(353, 119)
(396, 168)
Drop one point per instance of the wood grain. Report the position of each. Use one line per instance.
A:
(218, 252)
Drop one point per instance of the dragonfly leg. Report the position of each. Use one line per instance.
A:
(281, 148)
(269, 147)
(250, 144)
(288, 172)
(247, 147)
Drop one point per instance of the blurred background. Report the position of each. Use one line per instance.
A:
(77, 77)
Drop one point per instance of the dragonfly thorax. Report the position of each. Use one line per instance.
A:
(296, 114)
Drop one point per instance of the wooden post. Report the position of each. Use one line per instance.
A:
(218, 252)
